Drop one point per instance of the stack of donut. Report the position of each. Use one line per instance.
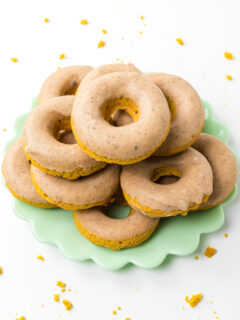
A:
(115, 134)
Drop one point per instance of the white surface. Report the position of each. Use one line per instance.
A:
(208, 28)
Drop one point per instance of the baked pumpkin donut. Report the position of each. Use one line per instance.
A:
(122, 145)
(41, 145)
(95, 190)
(186, 111)
(224, 167)
(114, 234)
(62, 82)
(163, 200)
(16, 172)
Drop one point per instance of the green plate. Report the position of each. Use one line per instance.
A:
(178, 236)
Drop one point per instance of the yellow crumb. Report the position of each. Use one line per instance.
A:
(119, 308)
(101, 44)
(63, 290)
(209, 252)
(229, 77)
(62, 56)
(61, 284)
(179, 41)
(226, 235)
(214, 312)
(104, 31)
(228, 55)
(1, 270)
(217, 317)
(114, 312)
(127, 319)
(84, 22)
(194, 300)
(56, 297)
(40, 257)
(69, 290)
(122, 38)
(46, 20)
(211, 302)
(21, 318)
(182, 308)
(142, 17)
(4, 130)
(14, 60)
(196, 258)
(58, 68)
(140, 32)
(68, 305)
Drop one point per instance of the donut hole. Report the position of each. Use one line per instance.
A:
(165, 175)
(117, 211)
(70, 88)
(172, 108)
(64, 132)
(120, 112)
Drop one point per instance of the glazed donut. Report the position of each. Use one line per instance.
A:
(224, 167)
(41, 145)
(16, 172)
(62, 82)
(114, 234)
(122, 145)
(105, 69)
(160, 200)
(95, 190)
(186, 110)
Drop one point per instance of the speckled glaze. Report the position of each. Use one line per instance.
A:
(16, 172)
(189, 113)
(111, 233)
(121, 145)
(42, 146)
(196, 182)
(62, 82)
(86, 192)
(224, 167)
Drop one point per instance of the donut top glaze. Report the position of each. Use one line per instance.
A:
(63, 82)
(186, 109)
(223, 164)
(40, 137)
(194, 184)
(128, 142)
(16, 171)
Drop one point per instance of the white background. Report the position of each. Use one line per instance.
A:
(208, 28)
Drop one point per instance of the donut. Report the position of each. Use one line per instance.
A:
(95, 190)
(62, 82)
(105, 69)
(187, 113)
(224, 167)
(127, 144)
(114, 234)
(67, 137)
(194, 184)
(41, 145)
(16, 172)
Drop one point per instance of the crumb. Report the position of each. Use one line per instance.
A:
(61, 284)
(40, 257)
(122, 38)
(114, 312)
(101, 44)
(56, 297)
(182, 308)
(42, 305)
(179, 41)
(228, 55)
(226, 235)
(62, 56)
(69, 290)
(119, 308)
(217, 317)
(140, 32)
(117, 59)
(214, 312)
(84, 22)
(127, 319)
(194, 300)
(229, 77)
(209, 252)
(1, 270)
(4, 130)
(63, 290)
(67, 304)
(58, 68)
(196, 258)
(21, 318)
(104, 31)
(14, 60)
(142, 17)
(145, 24)
(46, 20)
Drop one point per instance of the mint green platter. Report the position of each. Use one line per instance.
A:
(177, 236)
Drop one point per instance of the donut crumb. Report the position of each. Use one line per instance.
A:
(228, 55)
(101, 44)
(40, 257)
(56, 297)
(68, 305)
(104, 31)
(46, 20)
(209, 252)
(1, 270)
(114, 312)
(119, 308)
(229, 77)
(226, 235)
(62, 56)
(14, 60)
(142, 18)
(84, 22)
(63, 290)
(180, 41)
(61, 284)
(21, 318)
(194, 300)
(196, 257)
